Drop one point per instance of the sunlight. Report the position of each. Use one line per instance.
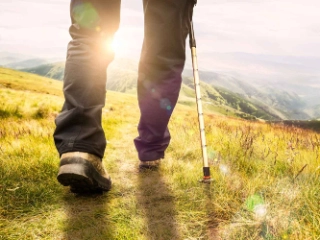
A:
(126, 43)
(118, 45)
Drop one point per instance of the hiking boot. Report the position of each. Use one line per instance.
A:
(151, 165)
(83, 172)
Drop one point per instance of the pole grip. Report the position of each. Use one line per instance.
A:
(192, 39)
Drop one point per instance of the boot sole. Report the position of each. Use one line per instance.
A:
(82, 177)
(152, 167)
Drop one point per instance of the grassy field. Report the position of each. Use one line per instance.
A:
(266, 178)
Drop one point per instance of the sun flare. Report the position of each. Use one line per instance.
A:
(117, 45)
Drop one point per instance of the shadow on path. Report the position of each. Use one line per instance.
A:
(212, 224)
(157, 204)
(87, 217)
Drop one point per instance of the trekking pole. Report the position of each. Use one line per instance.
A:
(206, 168)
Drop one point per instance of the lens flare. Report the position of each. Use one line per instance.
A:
(260, 210)
(166, 104)
(211, 153)
(253, 201)
(224, 169)
(85, 15)
(255, 204)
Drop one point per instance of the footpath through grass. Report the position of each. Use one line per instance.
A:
(266, 178)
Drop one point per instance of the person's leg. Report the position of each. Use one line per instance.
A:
(78, 126)
(162, 61)
(79, 136)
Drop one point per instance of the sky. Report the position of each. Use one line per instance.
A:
(282, 27)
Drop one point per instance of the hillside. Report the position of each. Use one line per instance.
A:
(265, 176)
(50, 70)
(12, 79)
(291, 74)
(122, 77)
(25, 64)
(283, 103)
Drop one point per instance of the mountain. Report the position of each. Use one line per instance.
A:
(225, 81)
(271, 95)
(51, 70)
(20, 61)
(122, 73)
(276, 101)
(298, 75)
(316, 111)
(122, 76)
(228, 102)
(9, 58)
(25, 64)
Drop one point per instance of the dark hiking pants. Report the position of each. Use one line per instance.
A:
(78, 126)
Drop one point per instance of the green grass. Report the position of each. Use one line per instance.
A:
(266, 178)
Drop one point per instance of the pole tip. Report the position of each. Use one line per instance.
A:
(206, 179)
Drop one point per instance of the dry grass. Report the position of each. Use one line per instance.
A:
(265, 178)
